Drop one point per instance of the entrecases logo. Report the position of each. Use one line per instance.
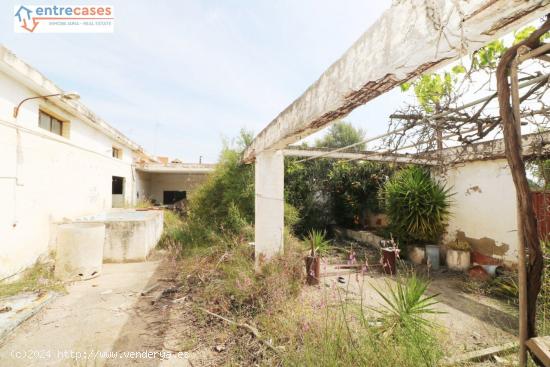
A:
(64, 18)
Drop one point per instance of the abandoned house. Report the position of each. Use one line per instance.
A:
(61, 161)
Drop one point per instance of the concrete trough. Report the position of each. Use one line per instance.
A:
(129, 234)
(79, 253)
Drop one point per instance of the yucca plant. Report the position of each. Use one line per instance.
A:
(406, 307)
(318, 243)
(417, 205)
(319, 246)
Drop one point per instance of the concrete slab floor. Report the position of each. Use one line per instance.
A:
(75, 329)
(20, 308)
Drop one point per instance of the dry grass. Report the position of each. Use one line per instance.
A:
(39, 277)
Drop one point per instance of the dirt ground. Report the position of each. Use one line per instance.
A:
(468, 320)
(103, 321)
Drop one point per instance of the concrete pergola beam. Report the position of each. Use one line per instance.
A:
(365, 156)
(409, 39)
(533, 145)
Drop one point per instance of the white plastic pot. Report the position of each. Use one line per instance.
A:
(458, 260)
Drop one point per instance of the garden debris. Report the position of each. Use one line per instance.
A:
(179, 300)
(479, 258)
(540, 346)
(165, 292)
(149, 289)
(252, 330)
(477, 272)
(479, 354)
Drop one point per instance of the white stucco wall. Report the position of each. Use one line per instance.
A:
(484, 207)
(160, 182)
(143, 185)
(45, 177)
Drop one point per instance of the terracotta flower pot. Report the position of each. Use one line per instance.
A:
(313, 269)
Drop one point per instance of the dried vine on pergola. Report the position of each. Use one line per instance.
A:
(449, 121)
(446, 120)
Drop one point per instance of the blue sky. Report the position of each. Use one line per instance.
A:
(179, 76)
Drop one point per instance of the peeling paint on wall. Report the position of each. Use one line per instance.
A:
(473, 189)
(486, 246)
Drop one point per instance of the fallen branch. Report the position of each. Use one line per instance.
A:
(151, 288)
(165, 293)
(251, 329)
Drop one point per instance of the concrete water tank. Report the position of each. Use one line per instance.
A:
(79, 250)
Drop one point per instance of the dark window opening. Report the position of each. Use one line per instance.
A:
(118, 185)
(171, 197)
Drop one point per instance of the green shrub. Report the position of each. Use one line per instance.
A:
(353, 188)
(171, 230)
(346, 335)
(417, 205)
(226, 200)
(305, 190)
(406, 308)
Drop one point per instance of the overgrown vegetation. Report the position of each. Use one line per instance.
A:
(347, 334)
(37, 278)
(219, 278)
(325, 191)
(353, 189)
(215, 239)
(417, 206)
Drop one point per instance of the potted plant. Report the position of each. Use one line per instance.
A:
(319, 247)
(418, 209)
(458, 255)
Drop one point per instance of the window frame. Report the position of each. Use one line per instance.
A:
(51, 119)
(116, 152)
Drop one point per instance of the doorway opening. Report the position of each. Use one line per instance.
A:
(118, 192)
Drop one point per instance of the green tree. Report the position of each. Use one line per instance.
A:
(342, 134)
(353, 188)
(226, 200)
(326, 191)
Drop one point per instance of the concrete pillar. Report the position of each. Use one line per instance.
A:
(269, 214)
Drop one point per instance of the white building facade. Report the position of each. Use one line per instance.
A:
(58, 160)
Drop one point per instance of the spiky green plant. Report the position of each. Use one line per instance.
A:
(417, 205)
(406, 307)
(318, 243)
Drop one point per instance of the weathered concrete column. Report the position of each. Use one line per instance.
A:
(269, 214)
